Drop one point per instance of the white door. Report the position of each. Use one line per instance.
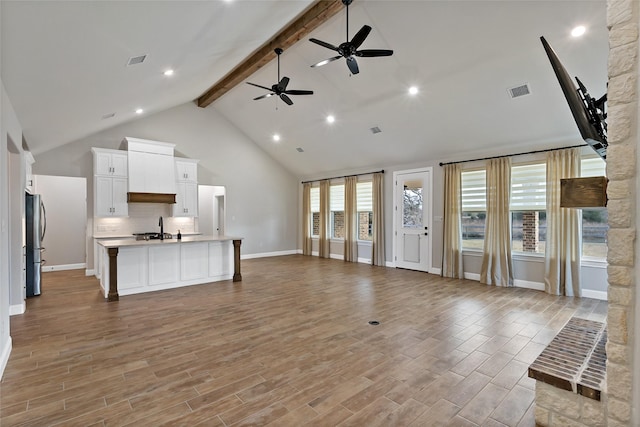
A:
(413, 220)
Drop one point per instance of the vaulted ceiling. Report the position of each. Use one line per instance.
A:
(64, 66)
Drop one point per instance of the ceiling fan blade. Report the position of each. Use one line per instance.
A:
(326, 61)
(358, 39)
(324, 44)
(282, 85)
(353, 65)
(261, 87)
(263, 96)
(370, 53)
(286, 99)
(298, 92)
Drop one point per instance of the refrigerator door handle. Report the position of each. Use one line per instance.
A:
(44, 222)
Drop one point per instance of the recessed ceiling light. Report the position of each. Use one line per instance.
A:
(413, 90)
(578, 31)
(139, 111)
(168, 73)
(330, 118)
(276, 137)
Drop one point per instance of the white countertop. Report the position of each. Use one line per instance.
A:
(118, 243)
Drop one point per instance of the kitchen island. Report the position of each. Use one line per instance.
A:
(136, 266)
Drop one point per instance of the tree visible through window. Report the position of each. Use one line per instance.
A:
(412, 211)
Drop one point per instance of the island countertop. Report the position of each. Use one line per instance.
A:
(120, 243)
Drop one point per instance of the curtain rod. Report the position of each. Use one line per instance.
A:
(518, 154)
(345, 176)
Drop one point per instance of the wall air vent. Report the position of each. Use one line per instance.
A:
(375, 130)
(136, 60)
(518, 91)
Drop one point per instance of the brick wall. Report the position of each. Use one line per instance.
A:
(530, 231)
(623, 20)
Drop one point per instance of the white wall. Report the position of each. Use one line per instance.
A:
(66, 206)
(261, 199)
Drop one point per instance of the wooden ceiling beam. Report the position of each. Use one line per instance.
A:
(316, 15)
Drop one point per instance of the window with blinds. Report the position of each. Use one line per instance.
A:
(315, 211)
(529, 187)
(364, 195)
(593, 166)
(474, 206)
(336, 206)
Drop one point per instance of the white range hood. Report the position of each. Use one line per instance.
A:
(151, 171)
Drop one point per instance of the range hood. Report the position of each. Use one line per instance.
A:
(152, 176)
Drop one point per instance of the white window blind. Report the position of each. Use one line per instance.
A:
(593, 166)
(529, 187)
(474, 191)
(315, 199)
(364, 195)
(336, 198)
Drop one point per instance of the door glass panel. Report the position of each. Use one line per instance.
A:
(412, 204)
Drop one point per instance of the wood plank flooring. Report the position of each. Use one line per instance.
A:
(290, 345)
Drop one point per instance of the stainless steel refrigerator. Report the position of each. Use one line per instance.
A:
(36, 226)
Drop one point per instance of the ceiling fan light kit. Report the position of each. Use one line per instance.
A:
(349, 49)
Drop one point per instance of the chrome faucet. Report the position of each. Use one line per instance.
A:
(161, 229)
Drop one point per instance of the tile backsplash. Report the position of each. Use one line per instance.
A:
(143, 218)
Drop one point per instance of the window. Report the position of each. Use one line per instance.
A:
(315, 211)
(594, 221)
(364, 203)
(528, 208)
(336, 203)
(474, 207)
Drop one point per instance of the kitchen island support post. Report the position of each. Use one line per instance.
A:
(237, 277)
(113, 275)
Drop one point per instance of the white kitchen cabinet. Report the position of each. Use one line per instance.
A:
(220, 258)
(163, 264)
(186, 200)
(194, 261)
(110, 196)
(187, 170)
(109, 162)
(132, 268)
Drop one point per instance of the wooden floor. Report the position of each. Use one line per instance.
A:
(290, 345)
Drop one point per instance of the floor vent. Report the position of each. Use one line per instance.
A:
(519, 91)
(137, 60)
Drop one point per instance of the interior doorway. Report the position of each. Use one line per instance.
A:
(412, 219)
(211, 210)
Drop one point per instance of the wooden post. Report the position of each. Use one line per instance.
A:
(113, 275)
(236, 261)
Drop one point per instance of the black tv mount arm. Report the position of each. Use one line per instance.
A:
(596, 111)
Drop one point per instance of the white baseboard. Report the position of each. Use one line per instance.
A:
(472, 276)
(91, 272)
(299, 251)
(364, 260)
(528, 284)
(17, 309)
(47, 268)
(590, 293)
(435, 271)
(390, 264)
(268, 254)
(4, 357)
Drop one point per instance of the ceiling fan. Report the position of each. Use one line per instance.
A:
(349, 49)
(280, 88)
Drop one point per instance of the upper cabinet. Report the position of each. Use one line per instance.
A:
(187, 188)
(109, 162)
(186, 170)
(151, 166)
(28, 172)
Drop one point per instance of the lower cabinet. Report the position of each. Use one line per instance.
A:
(155, 267)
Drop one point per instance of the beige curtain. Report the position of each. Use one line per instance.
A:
(324, 219)
(350, 220)
(497, 268)
(306, 218)
(452, 247)
(377, 247)
(563, 244)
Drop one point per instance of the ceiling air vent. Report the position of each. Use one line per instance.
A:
(300, 150)
(108, 116)
(137, 60)
(518, 91)
(375, 130)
